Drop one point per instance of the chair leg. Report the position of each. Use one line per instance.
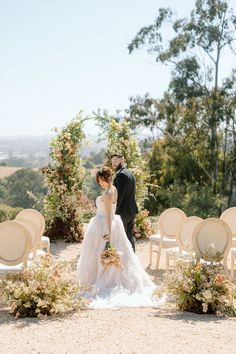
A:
(232, 267)
(167, 262)
(158, 256)
(150, 254)
(225, 266)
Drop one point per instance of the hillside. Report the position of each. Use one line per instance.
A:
(6, 171)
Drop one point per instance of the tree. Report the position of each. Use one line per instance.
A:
(95, 159)
(209, 30)
(229, 145)
(23, 189)
(144, 111)
(177, 181)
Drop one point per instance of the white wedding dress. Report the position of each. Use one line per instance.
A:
(111, 287)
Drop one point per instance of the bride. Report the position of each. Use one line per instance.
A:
(112, 286)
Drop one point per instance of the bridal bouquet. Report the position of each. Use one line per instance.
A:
(110, 256)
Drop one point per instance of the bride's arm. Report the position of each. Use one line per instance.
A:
(108, 200)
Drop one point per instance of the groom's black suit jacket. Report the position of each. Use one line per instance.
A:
(125, 184)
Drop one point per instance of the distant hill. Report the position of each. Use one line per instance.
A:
(7, 171)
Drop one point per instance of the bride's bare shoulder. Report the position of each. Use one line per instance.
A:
(114, 194)
(114, 190)
(111, 193)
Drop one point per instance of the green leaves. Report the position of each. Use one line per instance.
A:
(151, 36)
(210, 27)
(196, 116)
(25, 188)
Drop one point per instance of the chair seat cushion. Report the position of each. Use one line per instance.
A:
(233, 251)
(176, 251)
(173, 251)
(39, 253)
(11, 269)
(45, 240)
(157, 238)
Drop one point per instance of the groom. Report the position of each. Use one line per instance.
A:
(126, 205)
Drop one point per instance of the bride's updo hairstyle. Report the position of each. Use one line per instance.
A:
(104, 173)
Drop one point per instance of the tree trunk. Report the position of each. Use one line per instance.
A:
(232, 192)
(224, 165)
(214, 140)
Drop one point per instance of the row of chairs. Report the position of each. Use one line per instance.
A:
(21, 240)
(179, 235)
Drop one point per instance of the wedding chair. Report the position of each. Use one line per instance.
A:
(184, 240)
(212, 237)
(15, 244)
(168, 224)
(36, 217)
(35, 236)
(229, 216)
(232, 262)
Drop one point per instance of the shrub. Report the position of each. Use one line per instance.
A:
(193, 199)
(43, 289)
(7, 212)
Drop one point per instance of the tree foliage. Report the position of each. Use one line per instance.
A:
(195, 118)
(25, 188)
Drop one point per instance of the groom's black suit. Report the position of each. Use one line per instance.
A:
(126, 205)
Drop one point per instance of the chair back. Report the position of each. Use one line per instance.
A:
(15, 243)
(229, 216)
(212, 238)
(35, 216)
(33, 230)
(169, 222)
(185, 232)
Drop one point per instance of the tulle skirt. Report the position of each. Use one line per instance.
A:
(111, 287)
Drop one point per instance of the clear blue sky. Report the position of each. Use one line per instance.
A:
(62, 56)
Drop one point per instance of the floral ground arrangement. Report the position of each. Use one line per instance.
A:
(200, 288)
(45, 288)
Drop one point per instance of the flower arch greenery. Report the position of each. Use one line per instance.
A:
(121, 139)
(65, 180)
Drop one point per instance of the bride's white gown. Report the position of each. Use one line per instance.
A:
(112, 287)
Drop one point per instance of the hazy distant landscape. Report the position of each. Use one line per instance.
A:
(33, 151)
(22, 184)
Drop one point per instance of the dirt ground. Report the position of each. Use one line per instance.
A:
(122, 331)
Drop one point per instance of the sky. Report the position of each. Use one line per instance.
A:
(62, 56)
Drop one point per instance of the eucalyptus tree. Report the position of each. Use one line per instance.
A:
(194, 52)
